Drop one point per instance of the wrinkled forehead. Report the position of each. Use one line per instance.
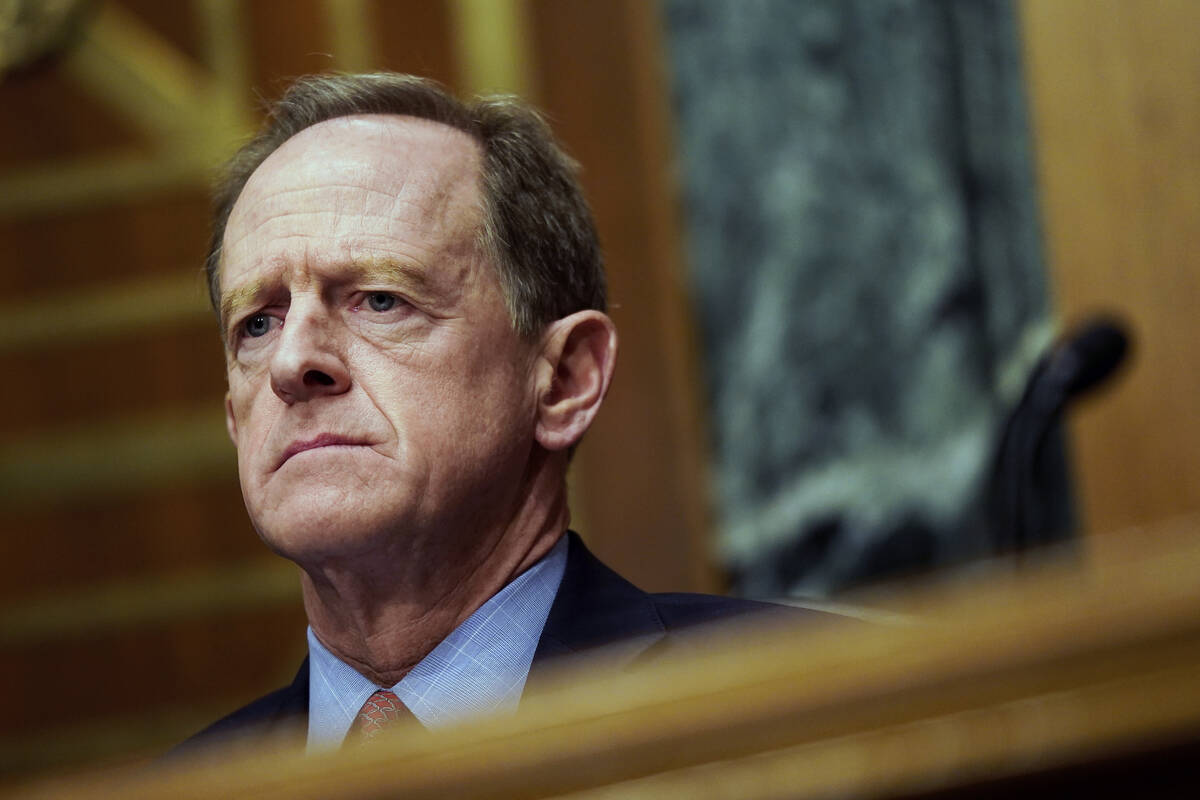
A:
(396, 164)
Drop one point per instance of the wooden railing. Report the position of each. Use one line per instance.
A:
(1039, 676)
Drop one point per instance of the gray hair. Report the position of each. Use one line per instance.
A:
(537, 226)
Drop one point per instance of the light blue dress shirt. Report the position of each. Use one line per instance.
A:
(480, 668)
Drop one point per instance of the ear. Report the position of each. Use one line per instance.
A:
(230, 421)
(579, 353)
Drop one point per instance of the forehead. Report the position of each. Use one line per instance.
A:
(364, 176)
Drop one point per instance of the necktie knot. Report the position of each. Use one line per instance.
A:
(381, 711)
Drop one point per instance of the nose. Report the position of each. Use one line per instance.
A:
(307, 362)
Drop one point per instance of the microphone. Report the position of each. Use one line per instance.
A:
(1082, 360)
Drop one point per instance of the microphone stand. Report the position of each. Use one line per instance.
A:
(1081, 361)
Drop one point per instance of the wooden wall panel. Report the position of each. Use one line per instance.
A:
(165, 666)
(291, 38)
(134, 690)
(112, 377)
(84, 542)
(644, 464)
(177, 26)
(1117, 125)
(417, 36)
(96, 247)
(41, 113)
(137, 594)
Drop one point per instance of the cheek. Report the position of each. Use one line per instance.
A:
(486, 414)
(447, 410)
(248, 413)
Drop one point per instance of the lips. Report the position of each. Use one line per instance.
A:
(324, 440)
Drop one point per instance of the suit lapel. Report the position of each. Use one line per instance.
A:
(293, 700)
(596, 607)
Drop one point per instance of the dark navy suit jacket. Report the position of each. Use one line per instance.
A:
(594, 607)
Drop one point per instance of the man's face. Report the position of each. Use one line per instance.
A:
(378, 395)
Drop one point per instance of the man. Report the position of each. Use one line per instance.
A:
(411, 298)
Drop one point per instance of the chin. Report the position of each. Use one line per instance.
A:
(320, 527)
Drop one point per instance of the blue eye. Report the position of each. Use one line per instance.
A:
(257, 325)
(381, 301)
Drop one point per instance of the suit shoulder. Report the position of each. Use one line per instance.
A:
(684, 609)
(279, 713)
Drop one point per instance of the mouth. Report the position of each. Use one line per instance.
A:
(324, 440)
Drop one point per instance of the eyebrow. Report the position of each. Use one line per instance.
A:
(235, 300)
(388, 270)
(360, 270)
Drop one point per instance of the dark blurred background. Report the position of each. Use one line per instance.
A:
(842, 239)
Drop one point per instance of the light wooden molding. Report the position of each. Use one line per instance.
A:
(493, 46)
(175, 299)
(127, 456)
(162, 599)
(136, 72)
(193, 114)
(353, 35)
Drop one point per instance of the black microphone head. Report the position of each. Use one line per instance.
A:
(1087, 356)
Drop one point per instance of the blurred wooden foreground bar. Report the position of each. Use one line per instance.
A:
(1049, 679)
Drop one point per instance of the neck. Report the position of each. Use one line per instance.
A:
(384, 619)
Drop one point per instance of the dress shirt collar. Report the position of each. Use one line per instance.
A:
(480, 668)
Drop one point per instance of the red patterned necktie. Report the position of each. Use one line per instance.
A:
(382, 710)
